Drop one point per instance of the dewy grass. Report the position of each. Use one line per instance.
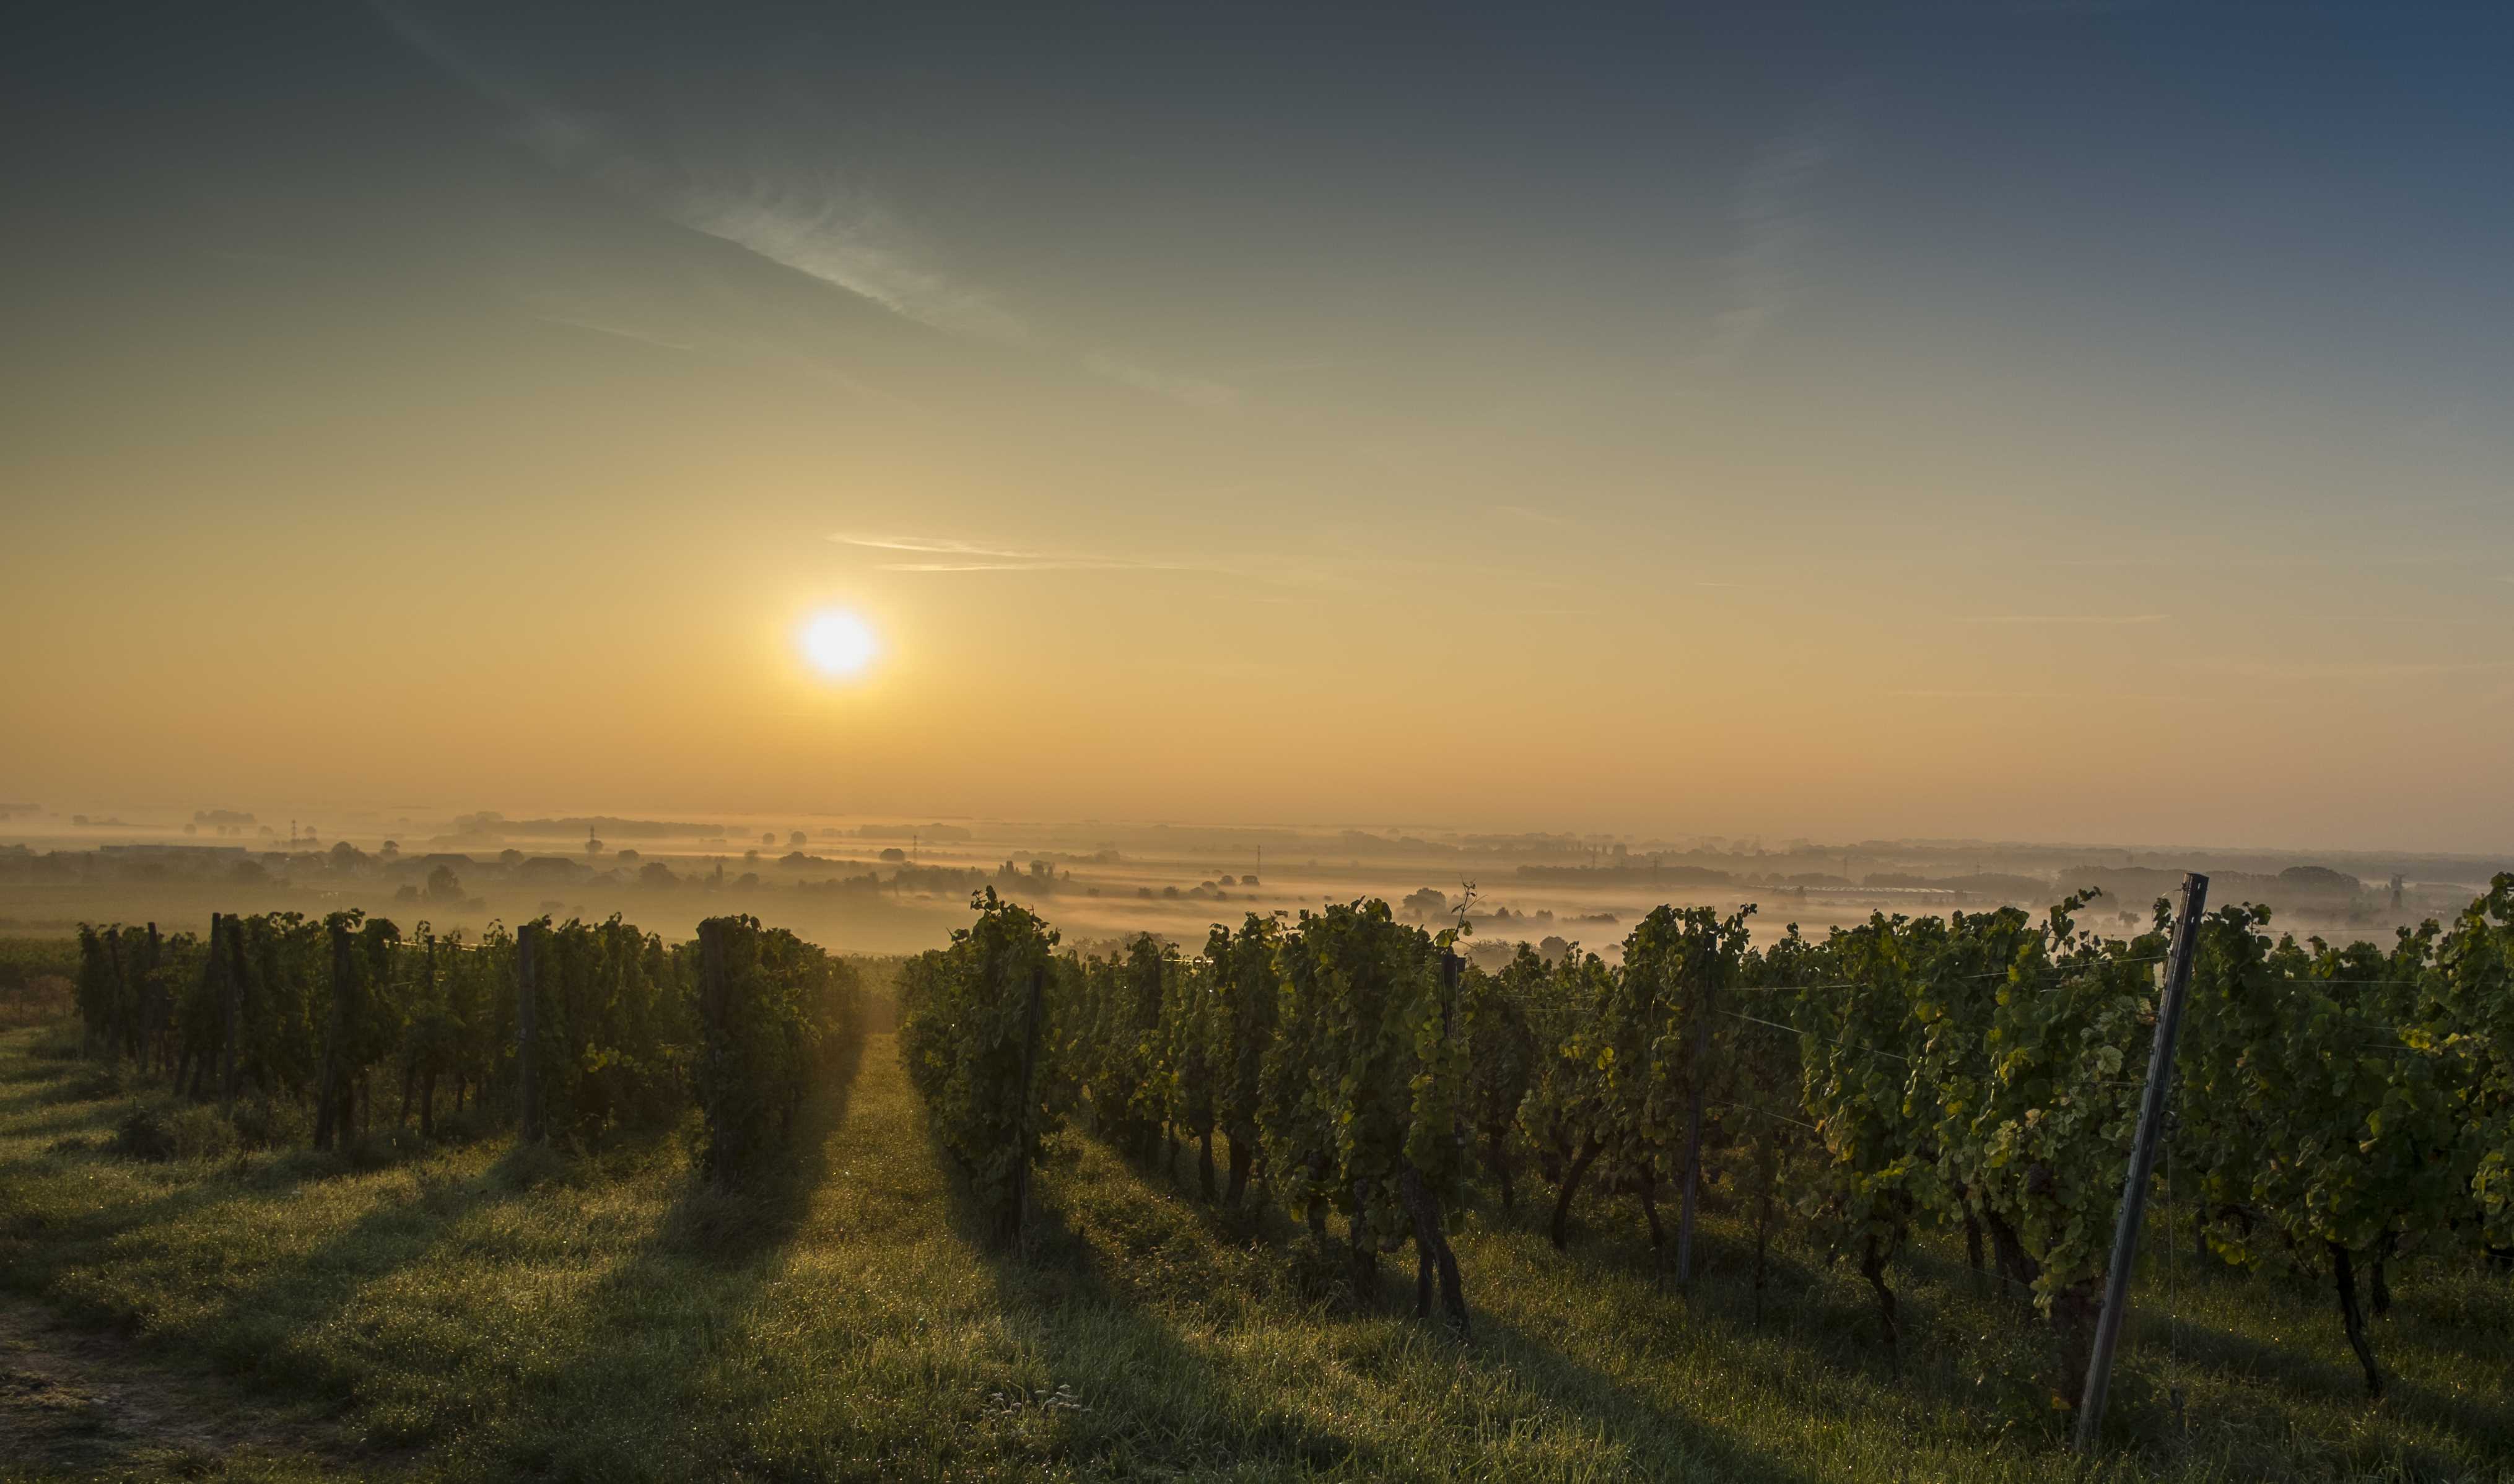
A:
(476, 1312)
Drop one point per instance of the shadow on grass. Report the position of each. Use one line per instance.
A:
(272, 1332)
(1650, 1430)
(637, 1344)
(1807, 1305)
(2328, 1372)
(1121, 1257)
(1147, 1400)
(745, 1227)
(44, 1238)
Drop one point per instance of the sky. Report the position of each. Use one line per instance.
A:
(2033, 421)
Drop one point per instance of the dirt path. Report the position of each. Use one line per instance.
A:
(81, 1402)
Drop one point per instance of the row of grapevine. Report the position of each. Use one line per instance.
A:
(2341, 1108)
(2349, 1107)
(1333, 1052)
(571, 1028)
(971, 1020)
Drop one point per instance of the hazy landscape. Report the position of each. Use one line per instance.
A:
(893, 886)
(782, 740)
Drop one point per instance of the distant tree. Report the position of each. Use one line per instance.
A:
(628, 857)
(656, 874)
(443, 885)
(797, 839)
(392, 849)
(895, 856)
(1426, 904)
(768, 838)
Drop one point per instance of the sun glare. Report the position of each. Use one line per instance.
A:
(838, 644)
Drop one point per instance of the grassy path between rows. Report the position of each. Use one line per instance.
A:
(475, 1312)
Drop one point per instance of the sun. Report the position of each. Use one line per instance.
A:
(838, 643)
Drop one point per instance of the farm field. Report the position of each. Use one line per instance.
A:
(781, 741)
(474, 1310)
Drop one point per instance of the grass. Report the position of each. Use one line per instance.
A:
(470, 1311)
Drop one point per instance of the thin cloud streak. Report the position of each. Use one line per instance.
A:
(949, 554)
(1192, 391)
(2062, 618)
(1050, 564)
(617, 331)
(815, 221)
(1946, 694)
(1358, 574)
(2370, 669)
(817, 229)
(1538, 517)
(1773, 231)
(841, 237)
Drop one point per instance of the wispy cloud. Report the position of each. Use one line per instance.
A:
(1774, 227)
(841, 237)
(1537, 517)
(254, 258)
(939, 553)
(2227, 561)
(819, 221)
(2211, 561)
(927, 553)
(2345, 669)
(1350, 568)
(1993, 695)
(616, 332)
(2067, 618)
(2061, 7)
(1193, 391)
(814, 226)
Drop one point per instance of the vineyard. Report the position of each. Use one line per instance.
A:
(1811, 1188)
(2341, 1110)
(284, 1021)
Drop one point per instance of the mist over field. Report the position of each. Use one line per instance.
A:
(903, 885)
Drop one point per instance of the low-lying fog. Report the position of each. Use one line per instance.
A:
(887, 886)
